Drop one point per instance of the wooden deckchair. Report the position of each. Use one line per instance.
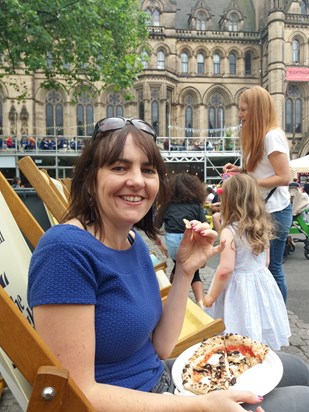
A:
(52, 388)
(41, 183)
(28, 366)
(23, 217)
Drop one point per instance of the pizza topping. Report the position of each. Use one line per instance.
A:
(219, 361)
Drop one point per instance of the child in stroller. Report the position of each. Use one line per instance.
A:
(300, 224)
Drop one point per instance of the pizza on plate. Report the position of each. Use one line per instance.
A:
(219, 361)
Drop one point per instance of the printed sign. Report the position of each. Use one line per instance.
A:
(14, 263)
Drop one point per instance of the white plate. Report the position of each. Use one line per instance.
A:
(260, 379)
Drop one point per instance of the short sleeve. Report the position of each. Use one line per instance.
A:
(61, 274)
(275, 141)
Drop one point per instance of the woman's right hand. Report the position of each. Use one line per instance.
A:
(230, 167)
(228, 401)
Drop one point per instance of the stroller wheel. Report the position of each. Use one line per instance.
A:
(291, 249)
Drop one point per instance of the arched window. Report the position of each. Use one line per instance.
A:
(188, 121)
(293, 110)
(232, 64)
(161, 60)
(248, 64)
(153, 17)
(200, 21)
(184, 63)
(84, 116)
(216, 116)
(200, 63)
(295, 51)
(114, 105)
(145, 59)
(156, 18)
(167, 119)
(216, 63)
(233, 22)
(155, 116)
(141, 110)
(188, 101)
(54, 113)
(303, 7)
(288, 115)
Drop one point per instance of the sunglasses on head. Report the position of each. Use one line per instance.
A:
(115, 123)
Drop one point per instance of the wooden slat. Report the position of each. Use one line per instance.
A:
(43, 189)
(29, 352)
(197, 326)
(65, 190)
(52, 184)
(24, 219)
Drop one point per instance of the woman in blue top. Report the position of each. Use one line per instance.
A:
(92, 287)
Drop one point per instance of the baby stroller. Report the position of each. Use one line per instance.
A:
(300, 225)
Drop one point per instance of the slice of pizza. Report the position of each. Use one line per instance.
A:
(187, 223)
(219, 361)
(243, 353)
(207, 370)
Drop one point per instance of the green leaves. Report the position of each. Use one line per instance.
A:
(81, 40)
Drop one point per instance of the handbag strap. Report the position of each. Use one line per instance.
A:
(269, 194)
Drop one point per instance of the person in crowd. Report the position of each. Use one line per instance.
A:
(31, 143)
(242, 279)
(294, 183)
(186, 197)
(62, 143)
(306, 186)
(197, 145)
(16, 182)
(95, 297)
(10, 144)
(210, 194)
(44, 144)
(215, 207)
(266, 156)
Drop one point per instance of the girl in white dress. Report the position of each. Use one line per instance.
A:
(243, 292)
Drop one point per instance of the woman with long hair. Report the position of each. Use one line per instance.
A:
(266, 157)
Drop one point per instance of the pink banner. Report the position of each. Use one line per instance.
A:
(297, 74)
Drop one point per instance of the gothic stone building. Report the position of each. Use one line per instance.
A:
(202, 55)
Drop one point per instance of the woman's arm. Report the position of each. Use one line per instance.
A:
(69, 332)
(194, 250)
(224, 270)
(281, 177)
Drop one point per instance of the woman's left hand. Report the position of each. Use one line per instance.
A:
(197, 247)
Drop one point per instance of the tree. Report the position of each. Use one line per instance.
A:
(81, 40)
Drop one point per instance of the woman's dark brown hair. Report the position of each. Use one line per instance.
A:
(104, 150)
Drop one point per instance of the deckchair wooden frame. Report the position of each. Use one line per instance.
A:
(39, 182)
(29, 226)
(36, 362)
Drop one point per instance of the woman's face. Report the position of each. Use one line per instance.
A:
(127, 189)
(243, 111)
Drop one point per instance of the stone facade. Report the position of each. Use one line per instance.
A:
(202, 55)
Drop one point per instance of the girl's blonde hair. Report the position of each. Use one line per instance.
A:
(261, 118)
(242, 203)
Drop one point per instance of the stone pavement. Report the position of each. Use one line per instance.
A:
(299, 341)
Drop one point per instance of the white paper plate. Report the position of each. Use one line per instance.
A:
(260, 379)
